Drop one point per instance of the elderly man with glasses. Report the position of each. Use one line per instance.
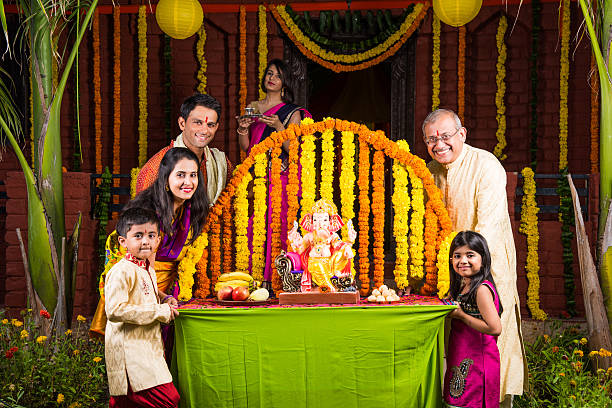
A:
(473, 185)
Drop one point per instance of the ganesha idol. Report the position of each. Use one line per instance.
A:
(323, 259)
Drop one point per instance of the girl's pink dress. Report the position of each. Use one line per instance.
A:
(472, 373)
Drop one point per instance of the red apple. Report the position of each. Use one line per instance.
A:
(225, 293)
(240, 293)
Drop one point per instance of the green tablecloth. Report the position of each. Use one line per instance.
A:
(310, 357)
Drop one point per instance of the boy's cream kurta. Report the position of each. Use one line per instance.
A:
(133, 343)
(474, 191)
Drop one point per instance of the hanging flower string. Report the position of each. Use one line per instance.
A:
(241, 221)
(347, 179)
(228, 232)
(461, 75)
(436, 215)
(97, 93)
(349, 62)
(431, 229)
(243, 62)
(327, 163)
(307, 161)
(133, 179)
(500, 79)
(202, 80)
(594, 117)
(262, 46)
(215, 250)
(260, 193)
(443, 265)
(563, 85)
(195, 259)
(116, 96)
(363, 181)
(378, 209)
(276, 198)
(142, 86)
(529, 227)
(435, 64)
(401, 207)
(293, 182)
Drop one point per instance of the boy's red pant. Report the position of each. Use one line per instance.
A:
(162, 396)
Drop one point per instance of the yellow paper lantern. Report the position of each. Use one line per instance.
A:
(179, 18)
(456, 12)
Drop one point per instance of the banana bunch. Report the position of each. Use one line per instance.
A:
(235, 279)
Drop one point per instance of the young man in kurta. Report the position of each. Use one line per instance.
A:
(473, 185)
(137, 372)
(199, 121)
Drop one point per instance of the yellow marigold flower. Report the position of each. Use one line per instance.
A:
(81, 318)
(16, 323)
(60, 398)
(604, 353)
(573, 397)
(4, 321)
(74, 405)
(583, 341)
(75, 352)
(97, 359)
(41, 339)
(577, 366)
(609, 371)
(12, 387)
(593, 353)
(561, 374)
(547, 338)
(24, 334)
(68, 332)
(578, 352)
(573, 383)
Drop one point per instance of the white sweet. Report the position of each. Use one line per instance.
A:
(376, 292)
(386, 293)
(383, 288)
(390, 298)
(380, 298)
(371, 298)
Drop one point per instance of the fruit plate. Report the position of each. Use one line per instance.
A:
(243, 302)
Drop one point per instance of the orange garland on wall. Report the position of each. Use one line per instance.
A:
(293, 183)
(202, 282)
(461, 75)
(97, 93)
(363, 181)
(243, 62)
(275, 223)
(228, 237)
(116, 96)
(215, 249)
(378, 209)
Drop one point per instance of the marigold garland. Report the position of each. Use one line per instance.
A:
(293, 182)
(95, 32)
(431, 229)
(436, 214)
(202, 80)
(241, 221)
(215, 249)
(260, 193)
(195, 260)
(594, 117)
(529, 227)
(262, 47)
(363, 181)
(349, 62)
(327, 164)
(347, 179)
(443, 265)
(116, 96)
(461, 75)
(307, 161)
(378, 209)
(276, 198)
(228, 232)
(401, 207)
(243, 62)
(563, 85)
(142, 86)
(500, 79)
(133, 178)
(435, 64)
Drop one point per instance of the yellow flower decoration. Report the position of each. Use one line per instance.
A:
(435, 64)
(583, 341)
(24, 334)
(327, 164)
(241, 221)
(187, 266)
(401, 207)
(243, 62)
(133, 180)
(41, 339)
(347, 179)
(529, 227)
(80, 318)
(60, 398)
(202, 80)
(68, 332)
(442, 264)
(97, 359)
(500, 78)
(307, 161)
(563, 84)
(461, 75)
(259, 217)
(16, 323)
(262, 47)
(378, 210)
(143, 109)
(5, 321)
(75, 352)
(579, 353)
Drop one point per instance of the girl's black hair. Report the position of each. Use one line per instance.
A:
(478, 244)
(161, 200)
(285, 74)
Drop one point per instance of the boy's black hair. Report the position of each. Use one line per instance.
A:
(135, 216)
(199, 99)
(478, 244)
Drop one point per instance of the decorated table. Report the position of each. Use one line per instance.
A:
(364, 355)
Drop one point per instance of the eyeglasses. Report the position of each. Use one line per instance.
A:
(432, 140)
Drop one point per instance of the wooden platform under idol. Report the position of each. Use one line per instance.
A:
(309, 298)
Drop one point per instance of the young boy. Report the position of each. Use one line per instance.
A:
(137, 372)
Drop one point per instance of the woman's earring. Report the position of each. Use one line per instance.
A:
(167, 187)
(283, 92)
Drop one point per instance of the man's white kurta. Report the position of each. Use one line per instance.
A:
(474, 192)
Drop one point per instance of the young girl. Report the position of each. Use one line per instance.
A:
(472, 374)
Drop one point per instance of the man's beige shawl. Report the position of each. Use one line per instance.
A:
(133, 342)
(474, 191)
